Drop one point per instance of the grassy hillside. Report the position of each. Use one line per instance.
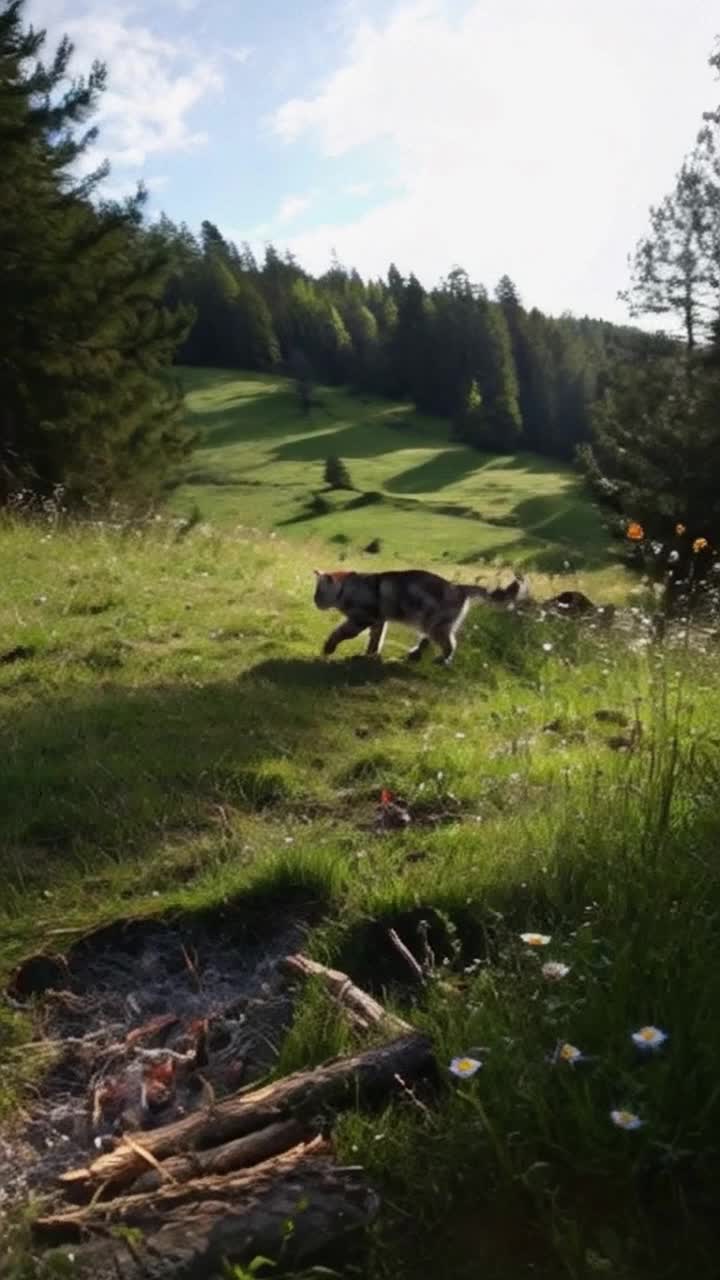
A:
(169, 740)
(260, 460)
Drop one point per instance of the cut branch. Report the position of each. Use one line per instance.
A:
(361, 1005)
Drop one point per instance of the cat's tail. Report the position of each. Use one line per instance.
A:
(515, 593)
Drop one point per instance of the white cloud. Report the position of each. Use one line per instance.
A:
(525, 138)
(241, 54)
(358, 189)
(291, 208)
(153, 83)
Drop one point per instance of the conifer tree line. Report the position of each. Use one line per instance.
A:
(86, 340)
(507, 378)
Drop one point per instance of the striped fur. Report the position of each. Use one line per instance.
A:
(435, 607)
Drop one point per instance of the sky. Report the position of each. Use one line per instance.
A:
(526, 137)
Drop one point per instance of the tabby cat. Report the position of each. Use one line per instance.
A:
(431, 604)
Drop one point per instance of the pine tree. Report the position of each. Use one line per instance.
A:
(256, 345)
(497, 379)
(656, 448)
(363, 333)
(84, 336)
(411, 341)
(655, 452)
(673, 270)
(337, 475)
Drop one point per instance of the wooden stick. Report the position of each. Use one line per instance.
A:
(163, 1174)
(362, 1005)
(407, 955)
(240, 1154)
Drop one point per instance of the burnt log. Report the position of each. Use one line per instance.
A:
(189, 1231)
(231, 1156)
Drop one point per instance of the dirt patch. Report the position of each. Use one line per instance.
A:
(138, 1025)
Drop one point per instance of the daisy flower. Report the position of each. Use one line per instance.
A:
(626, 1119)
(464, 1068)
(569, 1053)
(649, 1038)
(554, 970)
(535, 939)
(547, 647)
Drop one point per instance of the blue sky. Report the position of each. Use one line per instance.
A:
(519, 136)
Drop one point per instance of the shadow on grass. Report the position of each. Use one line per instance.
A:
(118, 768)
(456, 463)
(368, 439)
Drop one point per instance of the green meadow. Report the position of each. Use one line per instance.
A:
(172, 743)
(260, 462)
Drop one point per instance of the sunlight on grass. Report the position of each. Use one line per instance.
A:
(261, 461)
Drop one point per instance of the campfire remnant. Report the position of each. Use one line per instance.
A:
(180, 1168)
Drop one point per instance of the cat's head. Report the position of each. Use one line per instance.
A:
(327, 588)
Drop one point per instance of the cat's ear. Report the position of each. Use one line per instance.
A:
(318, 573)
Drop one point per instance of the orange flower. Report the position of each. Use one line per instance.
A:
(700, 544)
(635, 531)
(680, 530)
(385, 796)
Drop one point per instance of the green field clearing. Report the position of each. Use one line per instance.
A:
(260, 460)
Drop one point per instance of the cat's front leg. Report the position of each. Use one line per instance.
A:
(346, 631)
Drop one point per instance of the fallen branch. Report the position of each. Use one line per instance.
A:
(358, 1002)
(301, 1096)
(407, 955)
(231, 1156)
(189, 1231)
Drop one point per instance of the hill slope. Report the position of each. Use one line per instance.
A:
(170, 742)
(260, 461)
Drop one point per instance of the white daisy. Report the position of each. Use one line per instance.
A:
(649, 1038)
(554, 970)
(535, 939)
(464, 1068)
(547, 647)
(569, 1053)
(626, 1119)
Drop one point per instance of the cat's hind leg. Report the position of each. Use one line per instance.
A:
(444, 638)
